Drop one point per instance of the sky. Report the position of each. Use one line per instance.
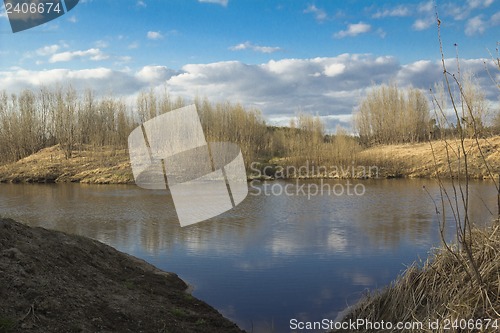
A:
(282, 57)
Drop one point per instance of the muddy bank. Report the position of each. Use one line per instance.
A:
(54, 282)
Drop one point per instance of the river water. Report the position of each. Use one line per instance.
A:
(284, 253)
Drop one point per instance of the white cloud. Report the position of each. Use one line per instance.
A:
(399, 11)
(428, 18)
(475, 25)
(319, 14)
(328, 86)
(422, 24)
(102, 44)
(93, 54)
(334, 69)
(426, 6)
(101, 80)
(456, 12)
(495, 19)
(459, 13)
(47, 50)
(141, 3)
(479, 3)
(154, 35)
(279, 88)
(257, 48)
(123, 59)
(154, 74)
(133, 45)
(72, 19)
(218, 2)
(353, 30)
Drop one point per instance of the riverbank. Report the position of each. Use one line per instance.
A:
(55, 282)
(441, 291)
(108, 165)
(427, 160)
(89, 165)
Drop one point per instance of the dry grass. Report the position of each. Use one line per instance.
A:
(102, 165)
(441, 289)
(416, 160)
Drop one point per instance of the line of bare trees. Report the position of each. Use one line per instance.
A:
(392, 115)
(32, 120)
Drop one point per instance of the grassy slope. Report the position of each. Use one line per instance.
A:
(107, 165)
(98, 166)
(417, 160)
(441, 290)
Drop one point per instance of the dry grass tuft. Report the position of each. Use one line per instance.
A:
(441, 290)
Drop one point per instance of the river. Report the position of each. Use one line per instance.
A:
(279, 255)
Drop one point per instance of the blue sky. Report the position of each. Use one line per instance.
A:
(280, 56)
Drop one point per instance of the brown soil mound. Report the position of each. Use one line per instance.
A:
(54, 282)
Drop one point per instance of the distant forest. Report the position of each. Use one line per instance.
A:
(32, 120)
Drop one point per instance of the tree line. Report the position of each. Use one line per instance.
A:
(35, 119)
(389, 114)
(32, 120)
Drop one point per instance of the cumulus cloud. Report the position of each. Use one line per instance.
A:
(154, 35)
(426, 6)
(475, 25)
(330, 87)
(399, 11)
(479, 3)
(99, 79)
(154, 75)
(318, 13)
(461, 12)
(141, 3)
(47, 50)
(218, 2)
(422, 24)
(93, 54)
(102, 80)
(427, 18)
(495, 19)
(353, 30)
(281, 87)
(257, 48)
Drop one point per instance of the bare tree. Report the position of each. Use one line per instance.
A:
(388, 115)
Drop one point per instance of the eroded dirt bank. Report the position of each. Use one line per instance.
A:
(54, 282)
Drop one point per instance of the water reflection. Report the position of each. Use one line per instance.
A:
(270, 259)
